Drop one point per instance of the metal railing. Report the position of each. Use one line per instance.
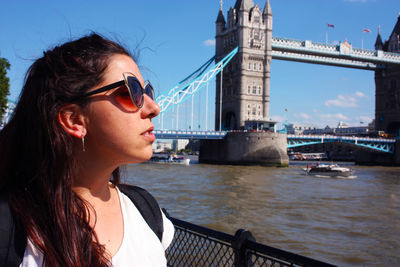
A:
(194, 245)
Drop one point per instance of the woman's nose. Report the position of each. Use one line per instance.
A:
(150, 108)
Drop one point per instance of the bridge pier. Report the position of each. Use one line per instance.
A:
(246, 148)
(397, 152)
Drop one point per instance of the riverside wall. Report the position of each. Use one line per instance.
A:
(246, 148)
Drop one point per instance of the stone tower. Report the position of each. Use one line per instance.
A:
(387, 86)
(246, 79)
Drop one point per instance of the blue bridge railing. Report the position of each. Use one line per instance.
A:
(380, 144)
(182, 134)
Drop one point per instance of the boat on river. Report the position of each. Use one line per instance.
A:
(170, 159)
(328, 170)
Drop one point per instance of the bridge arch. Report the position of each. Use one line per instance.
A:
(230, 121)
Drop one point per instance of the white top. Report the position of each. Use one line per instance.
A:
(140, 245)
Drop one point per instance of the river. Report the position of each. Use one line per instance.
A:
(347, 222)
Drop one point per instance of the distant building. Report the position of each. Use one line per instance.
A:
(356, 130)
(342, 129)
(179, 144)
(161, 146)
(295, 128)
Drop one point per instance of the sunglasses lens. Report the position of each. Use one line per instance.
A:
(123, 97)
(148, 90)
(136, 91)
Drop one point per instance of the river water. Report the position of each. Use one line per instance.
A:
(344, 221)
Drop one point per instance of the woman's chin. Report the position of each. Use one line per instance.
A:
(143, 157)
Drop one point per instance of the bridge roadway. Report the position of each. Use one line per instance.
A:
(379, 144)
(342, 55)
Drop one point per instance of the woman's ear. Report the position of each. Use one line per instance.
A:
(72, 120)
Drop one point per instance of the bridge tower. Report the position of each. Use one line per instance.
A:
(387, 86)
(246, 79)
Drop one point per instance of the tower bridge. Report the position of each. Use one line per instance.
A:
(243, 88)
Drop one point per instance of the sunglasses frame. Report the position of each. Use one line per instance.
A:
(125, 82)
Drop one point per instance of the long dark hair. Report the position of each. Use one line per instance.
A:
(36, 160)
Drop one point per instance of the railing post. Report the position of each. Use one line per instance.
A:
(239, 248)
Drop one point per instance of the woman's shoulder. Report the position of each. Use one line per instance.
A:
(151, 212)
(147, 205)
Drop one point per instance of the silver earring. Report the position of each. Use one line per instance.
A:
(83, 143)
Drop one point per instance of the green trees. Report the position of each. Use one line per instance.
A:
(4, 85)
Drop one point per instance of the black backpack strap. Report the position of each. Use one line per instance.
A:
(12, 237)
(147, 206)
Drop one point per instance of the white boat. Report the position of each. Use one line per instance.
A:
(171, 159)
(328, 170)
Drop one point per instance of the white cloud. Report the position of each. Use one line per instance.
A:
(359, 94)
(278, 118)
(342, 101)
(302, 115)
(345, 101)
(338, 116)
(209, 42)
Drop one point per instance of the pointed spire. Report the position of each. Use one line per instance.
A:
(378, 42)
(244, 5)
(220, 18)
(267, 9)
(396, 29)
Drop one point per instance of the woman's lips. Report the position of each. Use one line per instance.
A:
(149, 135)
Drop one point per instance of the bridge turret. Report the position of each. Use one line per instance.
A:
(246, 80)
(378, 42)
(243, 8)
(394, 39)
(220, 23)
(220, 28)
(267, 13)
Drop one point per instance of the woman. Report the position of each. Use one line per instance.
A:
(84, 110)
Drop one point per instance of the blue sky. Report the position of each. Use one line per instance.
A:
(174, 39)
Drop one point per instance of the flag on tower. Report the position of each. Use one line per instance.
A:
(366, 30)
(331, 25)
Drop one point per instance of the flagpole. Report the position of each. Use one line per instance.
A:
(326, 39)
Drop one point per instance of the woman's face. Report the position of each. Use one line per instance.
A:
(114, 133)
